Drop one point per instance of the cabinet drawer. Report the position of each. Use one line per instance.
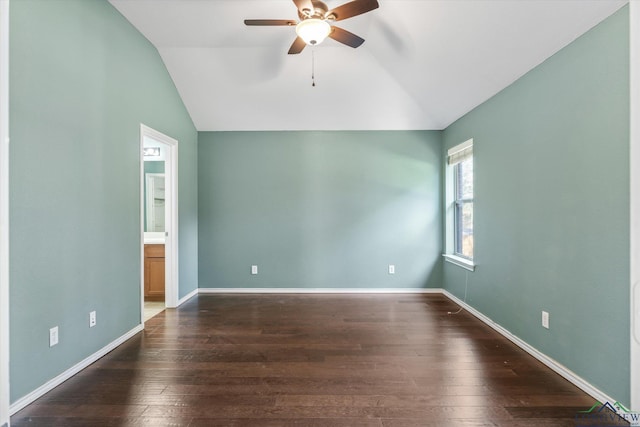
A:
(154, 251)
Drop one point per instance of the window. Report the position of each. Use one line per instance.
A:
(463, 208)
(459, 215)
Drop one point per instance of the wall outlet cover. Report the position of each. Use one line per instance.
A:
(392, 269)
(545, 319)
(254, 269)
(53, 336)
(92, 319)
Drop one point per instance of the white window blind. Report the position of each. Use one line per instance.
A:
(460, 152)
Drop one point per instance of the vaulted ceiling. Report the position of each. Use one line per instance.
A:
(424, 63)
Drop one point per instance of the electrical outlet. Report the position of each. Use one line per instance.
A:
(92, 319)
(53, 336)
(392, 269)
(254, 269)
(545, 319)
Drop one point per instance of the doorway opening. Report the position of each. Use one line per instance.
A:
(159, 222)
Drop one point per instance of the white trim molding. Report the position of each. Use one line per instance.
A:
(171, 216)
(455, 155)
(54, 382)
(4, 213)
(634, 232)
(549, 362)
(467, 264)
(552, 364)
(205, 291)
(187, 297)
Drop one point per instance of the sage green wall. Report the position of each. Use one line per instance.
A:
(551, 211)
(319, 209)
(82, 81)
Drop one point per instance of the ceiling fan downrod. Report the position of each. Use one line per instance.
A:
(313, 68)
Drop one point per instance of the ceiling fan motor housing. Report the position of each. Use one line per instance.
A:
(319, 11)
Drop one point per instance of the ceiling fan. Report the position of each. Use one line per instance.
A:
(316, 20)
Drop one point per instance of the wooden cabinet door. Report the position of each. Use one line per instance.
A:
(154, 272)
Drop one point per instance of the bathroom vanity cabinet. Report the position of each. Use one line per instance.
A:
(154, 272)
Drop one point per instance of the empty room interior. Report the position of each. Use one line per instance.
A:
(421, 212)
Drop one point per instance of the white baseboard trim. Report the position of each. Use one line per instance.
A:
(187, 297)
(552, 364)
(546, 360)
(319, 291)
(54, 382)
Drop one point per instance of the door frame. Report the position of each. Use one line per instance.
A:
(4, 213)
(634, 156)
(171, 285)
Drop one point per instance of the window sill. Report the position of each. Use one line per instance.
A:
(460, 262)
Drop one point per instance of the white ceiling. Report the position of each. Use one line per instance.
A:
(424, 64)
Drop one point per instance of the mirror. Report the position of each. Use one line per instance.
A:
(154, 202)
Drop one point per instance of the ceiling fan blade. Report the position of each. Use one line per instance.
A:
(269, 22)
(297, 46)
(345, 37)
(304, 4)
(353, 8)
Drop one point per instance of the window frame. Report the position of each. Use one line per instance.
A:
(459, 200)
(453, 206)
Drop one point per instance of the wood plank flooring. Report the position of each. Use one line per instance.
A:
(313, 360)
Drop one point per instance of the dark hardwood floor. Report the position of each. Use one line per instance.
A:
(313, 360)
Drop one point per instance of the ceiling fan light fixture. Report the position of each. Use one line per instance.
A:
(313, 30)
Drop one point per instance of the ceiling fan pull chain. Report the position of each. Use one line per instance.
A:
(313, 68)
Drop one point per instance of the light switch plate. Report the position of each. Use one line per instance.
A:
(53, 336)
